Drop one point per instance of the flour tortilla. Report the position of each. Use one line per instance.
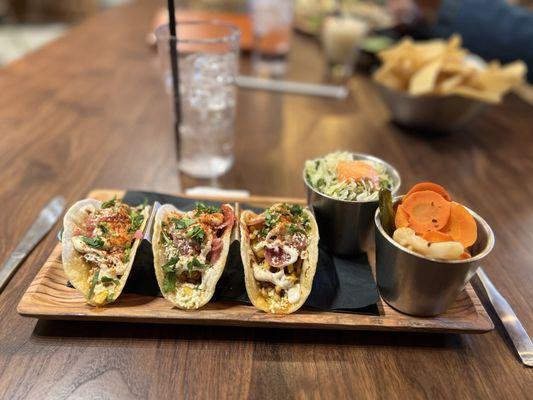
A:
(210, 276)
(306, 277)
(75, 267)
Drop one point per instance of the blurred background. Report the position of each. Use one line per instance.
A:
(349, 33)
(27, 24)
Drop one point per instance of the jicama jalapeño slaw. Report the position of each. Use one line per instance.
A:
(342, 176)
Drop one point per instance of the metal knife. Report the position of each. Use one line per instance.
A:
(308, 89)
(40, 227)
(514, 328)
(149, 228)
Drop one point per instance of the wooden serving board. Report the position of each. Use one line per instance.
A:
(49, 297)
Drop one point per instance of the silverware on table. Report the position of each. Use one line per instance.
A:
(149, 228)
(40, 227)
(309, 89)
(345, 225)
(422, 286)
(512, 325)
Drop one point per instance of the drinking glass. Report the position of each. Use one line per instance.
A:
(341, 39)
(272, 27)
(208, 58)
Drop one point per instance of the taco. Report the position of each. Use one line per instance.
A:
(279, 250)
(99, 243)
(190, 251)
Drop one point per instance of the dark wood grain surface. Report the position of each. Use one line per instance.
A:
(89, 111)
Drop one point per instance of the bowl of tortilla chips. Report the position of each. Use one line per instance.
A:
(438, 85)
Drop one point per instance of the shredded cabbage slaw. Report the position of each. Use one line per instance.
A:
(321, 174)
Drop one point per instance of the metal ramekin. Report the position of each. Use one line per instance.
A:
(422, 286)
(345, 225)
(430, 112)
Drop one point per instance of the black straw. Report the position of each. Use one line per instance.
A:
(175, 71)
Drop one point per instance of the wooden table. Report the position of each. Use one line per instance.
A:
(89, 111)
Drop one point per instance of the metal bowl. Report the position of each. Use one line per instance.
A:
(433, 113)
(422, 286)
(345, 225)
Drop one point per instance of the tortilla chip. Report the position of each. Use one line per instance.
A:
(446, 85)
(423, 81)
(443, 68)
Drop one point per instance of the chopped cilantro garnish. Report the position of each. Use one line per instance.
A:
(196, 233)
(296, 209)
(93, 284)
(184, 223)
(201, 208)
(95, 242)
(107, 279)
(127, 253)
(263, 232)
(271, 218)
(165, 238)
(169, 280)
(306, 223)
(195, 263)
(136, 220)
(169, 266)
(104, 227)
(293, 228)
(110, 297)
(110, 203)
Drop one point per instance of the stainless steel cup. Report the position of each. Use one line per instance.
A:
(345, 225)
(434, 113)
(421, 286)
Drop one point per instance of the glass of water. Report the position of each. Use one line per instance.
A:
(341, 38)
(272, 27)
(208, 60)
